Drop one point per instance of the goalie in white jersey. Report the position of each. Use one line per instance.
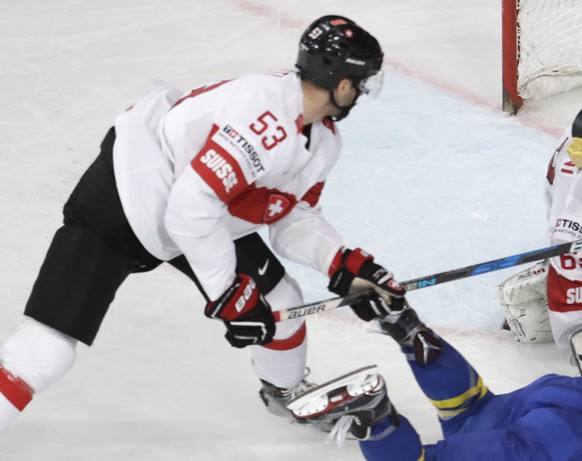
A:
(545, 302)
(188, 178)
(564, 204)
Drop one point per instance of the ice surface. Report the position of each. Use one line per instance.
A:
(433, 177)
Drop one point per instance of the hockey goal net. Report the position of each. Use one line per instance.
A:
(542, 49)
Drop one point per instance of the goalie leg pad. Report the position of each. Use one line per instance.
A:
(525, 304)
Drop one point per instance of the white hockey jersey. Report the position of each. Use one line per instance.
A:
(196, 171)
(564, 213)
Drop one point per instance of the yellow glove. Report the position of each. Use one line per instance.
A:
(575, 151)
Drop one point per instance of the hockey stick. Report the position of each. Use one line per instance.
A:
(434, 279)
(495, 265)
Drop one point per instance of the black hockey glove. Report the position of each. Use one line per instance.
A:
(244, 311)
(355, 270)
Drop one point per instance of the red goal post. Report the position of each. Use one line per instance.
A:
(541, 49)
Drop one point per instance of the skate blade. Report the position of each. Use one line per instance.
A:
(318, 399)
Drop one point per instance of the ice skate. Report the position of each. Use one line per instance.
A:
(276, 398)
(352, 402)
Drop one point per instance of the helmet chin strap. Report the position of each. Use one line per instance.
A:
(345, 110)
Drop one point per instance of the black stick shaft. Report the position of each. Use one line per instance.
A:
(490, 266)
(434, 279)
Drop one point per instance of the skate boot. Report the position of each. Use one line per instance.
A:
(351, 403)
(276, 398)
(409, 332)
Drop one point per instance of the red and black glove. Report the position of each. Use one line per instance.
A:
(355, 270)
(246, 314)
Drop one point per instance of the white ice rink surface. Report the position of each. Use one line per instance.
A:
(433, 177)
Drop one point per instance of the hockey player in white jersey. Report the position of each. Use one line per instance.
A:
(188, 179)
(546, 301)
(564, 201)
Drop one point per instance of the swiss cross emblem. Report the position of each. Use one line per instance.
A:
(276, 206)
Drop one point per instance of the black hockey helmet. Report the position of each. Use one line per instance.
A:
(334, 47)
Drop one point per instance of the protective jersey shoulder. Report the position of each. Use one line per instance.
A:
(262, 108)
(245, 136)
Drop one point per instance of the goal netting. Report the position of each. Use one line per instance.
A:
(542, 49)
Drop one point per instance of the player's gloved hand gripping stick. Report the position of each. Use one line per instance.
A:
(244, 311)
(354, 271)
